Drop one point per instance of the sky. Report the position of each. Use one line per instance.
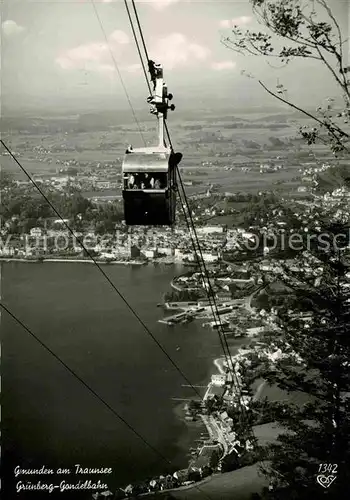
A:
(55, 55)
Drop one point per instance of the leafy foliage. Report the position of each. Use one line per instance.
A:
(313, 364)
(25, 211)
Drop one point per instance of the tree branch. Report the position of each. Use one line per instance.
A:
(326, 63)
(323, 124)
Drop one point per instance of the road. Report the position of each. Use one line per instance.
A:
(236, 485)
(215, 432)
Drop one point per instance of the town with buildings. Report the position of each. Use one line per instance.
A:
(245, 249)
(246, 238)
(216, 364)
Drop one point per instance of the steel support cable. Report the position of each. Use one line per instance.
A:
(235, 380)
(222, 337)
(118, 70)
(169, 140)
(81, 380)
(140, 30)
(201, 272)
(131, 309)
(236, 383)
(200, 264)
(146, 53)
(216, 316)
(210, 297)
(234, 377)
(168, 135)
(137, 45)
(211, 292)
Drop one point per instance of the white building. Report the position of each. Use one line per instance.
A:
(210, 257)
(103, 184)
(165, 251)
(218, 379)
(61, 221)
(61, 181)
(107, 255)
(7, 250)
(211, 229)
(251, 332)
(183, 255)
(150, 253)
(246, 235)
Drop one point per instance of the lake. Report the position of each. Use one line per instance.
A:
(49, 418)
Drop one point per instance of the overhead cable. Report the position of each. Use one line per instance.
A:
(132, 310)
(82, 381)
(118, 71)
(137, 45)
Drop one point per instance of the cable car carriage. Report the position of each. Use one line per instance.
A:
(149, 186)
(149, 173)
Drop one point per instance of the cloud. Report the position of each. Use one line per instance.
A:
(11, 28)
(94, 56)
(177, 50)
(119, 36)
(158, 4)
(155, 4)
(101, 68)
(132, 68)
(236, 21)
(222, 65)
(173, 51)
(77, 57)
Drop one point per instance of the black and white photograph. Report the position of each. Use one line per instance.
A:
(175, 249)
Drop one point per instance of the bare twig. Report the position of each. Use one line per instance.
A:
(322, 123)
(326, 63)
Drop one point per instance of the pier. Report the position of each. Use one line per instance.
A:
(180, 305)
(178, 318)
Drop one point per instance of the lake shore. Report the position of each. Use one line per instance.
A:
(61, 296)
(78, 261)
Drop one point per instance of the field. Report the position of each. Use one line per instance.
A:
(218, 150)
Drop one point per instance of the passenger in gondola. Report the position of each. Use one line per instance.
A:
(157, 184)
(137, 182)
(152, 183)
(147, 181)
(131, 181)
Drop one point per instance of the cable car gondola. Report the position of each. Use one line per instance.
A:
(149, 186)
(149, 173)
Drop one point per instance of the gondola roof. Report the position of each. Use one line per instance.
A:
(143, 160)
